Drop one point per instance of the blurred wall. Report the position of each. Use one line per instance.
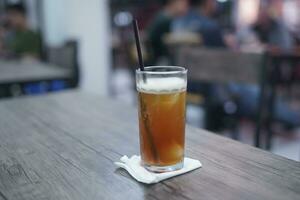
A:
(88, 23)
(54, 22)
(31, 6)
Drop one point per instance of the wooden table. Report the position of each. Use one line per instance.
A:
(22, 72)
(63, 145)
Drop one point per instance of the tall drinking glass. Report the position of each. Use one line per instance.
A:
(161, 96)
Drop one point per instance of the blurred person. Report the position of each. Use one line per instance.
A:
(199, 19)
(273, 32)
(268, 33)
(20, 41)
(275, 37)
(161, 26)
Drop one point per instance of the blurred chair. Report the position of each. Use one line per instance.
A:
(282, 71)
(220, 66)
(65, 56)
(57, 71)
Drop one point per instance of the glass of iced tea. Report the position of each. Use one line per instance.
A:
(161, 97)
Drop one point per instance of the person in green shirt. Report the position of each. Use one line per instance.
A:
(21, 41)
(161, 25)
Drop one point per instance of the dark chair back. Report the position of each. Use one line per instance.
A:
(224, 66)
(220, 65)
(66, 56)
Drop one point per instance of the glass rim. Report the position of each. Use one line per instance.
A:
(177, 70)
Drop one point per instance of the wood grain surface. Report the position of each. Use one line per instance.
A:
(62, 146)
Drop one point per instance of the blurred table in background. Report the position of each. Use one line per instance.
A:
(21, 72)
(18, 77)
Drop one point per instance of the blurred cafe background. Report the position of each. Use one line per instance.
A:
(243, 58)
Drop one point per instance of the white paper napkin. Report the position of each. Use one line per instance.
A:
(136, 170)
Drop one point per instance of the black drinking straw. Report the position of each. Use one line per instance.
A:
(138, 44)
(143, 106)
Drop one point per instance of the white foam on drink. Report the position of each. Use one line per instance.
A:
(162, 85)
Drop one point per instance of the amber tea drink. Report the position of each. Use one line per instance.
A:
(161, 96)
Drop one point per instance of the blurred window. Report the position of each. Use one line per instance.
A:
(247, 11)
